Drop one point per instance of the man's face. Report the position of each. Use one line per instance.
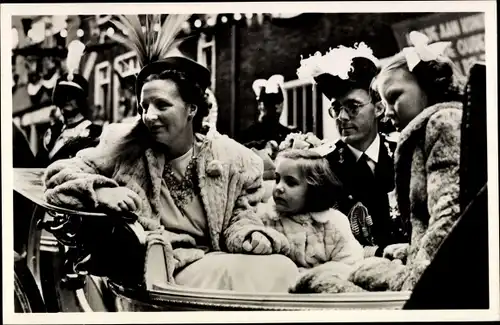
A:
(360, 125)
(69, 108)
(269, 111)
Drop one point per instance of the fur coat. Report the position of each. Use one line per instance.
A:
(427, 162)
(229, 175)
(315, 238)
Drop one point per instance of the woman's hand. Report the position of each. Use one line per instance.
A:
(396, 251)
(258, 244)
(118, 199)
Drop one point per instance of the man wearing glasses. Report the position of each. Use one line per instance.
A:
(361, 158)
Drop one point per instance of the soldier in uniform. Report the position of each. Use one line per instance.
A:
(78, 132)
(362, 158)
(269, 94)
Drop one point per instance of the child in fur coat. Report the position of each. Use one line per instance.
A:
(302, 208)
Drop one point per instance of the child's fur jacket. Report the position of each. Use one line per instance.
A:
(321, 244)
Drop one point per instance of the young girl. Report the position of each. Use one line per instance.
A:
(302, 208)
(421, 91)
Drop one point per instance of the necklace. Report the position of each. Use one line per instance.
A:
(183, 190)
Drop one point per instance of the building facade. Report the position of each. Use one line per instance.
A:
(237, 49)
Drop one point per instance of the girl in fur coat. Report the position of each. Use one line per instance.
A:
(302, 208)
(421, 92)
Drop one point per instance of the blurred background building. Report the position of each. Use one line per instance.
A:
(237, 48)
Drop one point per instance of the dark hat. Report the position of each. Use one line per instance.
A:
(194, 71)
(360, 77)
(272, 98)
(70, 86)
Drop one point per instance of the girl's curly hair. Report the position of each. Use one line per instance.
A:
(440, 79)
(324, 189)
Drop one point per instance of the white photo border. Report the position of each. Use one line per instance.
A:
(488, 7)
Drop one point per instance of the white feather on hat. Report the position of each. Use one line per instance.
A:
(336, 62)
(271, 85)
(74, 57)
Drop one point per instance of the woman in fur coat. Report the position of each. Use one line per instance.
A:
(195, 194)
(421, 91)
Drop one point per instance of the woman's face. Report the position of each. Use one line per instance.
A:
(166, 114)
(290, 189)
(402, 96)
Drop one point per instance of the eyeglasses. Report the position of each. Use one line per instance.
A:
(351, 108)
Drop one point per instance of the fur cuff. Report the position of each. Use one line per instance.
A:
(406, 281)
(377, 274)
(278, 241)
(331, 277)
(79, 192)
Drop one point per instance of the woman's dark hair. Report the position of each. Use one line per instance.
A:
(324, 189)
(440, 80)
(139, 139)
(189, 91)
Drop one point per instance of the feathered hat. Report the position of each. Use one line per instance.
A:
(71, 85)
(340, 70)
(270, 89)
(154, 48)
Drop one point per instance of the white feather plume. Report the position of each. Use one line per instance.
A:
(271, 85)
(337, 62)
(148, 42)
(74, 57)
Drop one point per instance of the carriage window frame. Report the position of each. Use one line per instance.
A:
(131, 67)
(203, 45)
(100, 82)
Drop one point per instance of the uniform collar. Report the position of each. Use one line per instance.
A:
(372, 151)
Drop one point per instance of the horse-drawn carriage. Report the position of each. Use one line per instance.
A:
(91, 261)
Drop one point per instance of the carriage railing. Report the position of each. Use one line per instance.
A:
(110, 247)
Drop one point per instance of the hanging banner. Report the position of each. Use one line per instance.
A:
(464, 30)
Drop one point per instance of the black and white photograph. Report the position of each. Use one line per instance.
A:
(305, 161)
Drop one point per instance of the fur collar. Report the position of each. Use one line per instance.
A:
(319, 217)
(417, 125)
